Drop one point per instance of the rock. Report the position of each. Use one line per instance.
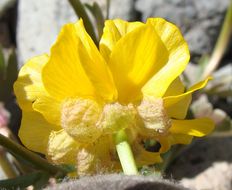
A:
(118, 9)
(118, 182)
(205, 164)
(122, 9)
(199, 20)
(217, 177)
(40, 21)
(198, 40)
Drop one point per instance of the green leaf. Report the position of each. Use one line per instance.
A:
(81, 13)
(11, 73)
(31, 157)
(98, 16)
(42, 181)
(25, 181)
(107, 9)
(69, 168)
(12, 68)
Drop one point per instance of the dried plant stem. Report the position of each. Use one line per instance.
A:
(125, 154)
(221, 44)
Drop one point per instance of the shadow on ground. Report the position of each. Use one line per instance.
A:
(200, 156)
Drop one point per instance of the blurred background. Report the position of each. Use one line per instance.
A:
(29, 28)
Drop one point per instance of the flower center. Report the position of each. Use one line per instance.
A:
(79, 118)
(86, 120)
(116, 117)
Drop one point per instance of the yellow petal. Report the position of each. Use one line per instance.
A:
(165, 144)
(175, 88)
(28, 87)
(80, 119)
(180, 108)
(195, 127)
(177, 106)
(35, 131)
(171, 139)
(113, 31)
(30, 91)
(62, 149)
(49, 108)
(178, 57)
(179, 139)
(95, 66)
(76, 67)
(144, 157)
(134, 60)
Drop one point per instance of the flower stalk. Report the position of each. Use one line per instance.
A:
(125, 154)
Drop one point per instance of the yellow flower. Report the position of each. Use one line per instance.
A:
(75, 99)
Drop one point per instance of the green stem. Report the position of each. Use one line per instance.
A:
(107, 9)
(7, 166)
(81, 13)
(125, 154)
(34, 159)
(221, 44)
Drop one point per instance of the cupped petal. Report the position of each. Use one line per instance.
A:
(76, 67)
(170, 139)
(113, 31)
(180, 108)
(61, 148)
(49, 107)
(194, 127)
(79, 118)
(178, 57)
(28, 87)
(179, 139)
(175, 88)
(99, 157)
(30, 92)
(134, 60)
(144, 157)
(35, 131)
(177, 106)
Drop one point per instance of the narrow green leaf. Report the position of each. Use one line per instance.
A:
(69, 168)
(81, 13)
(42, 181)
(23, 181)
(11, 74)
(107, 9)
(12, 68)
(31, 157)
(98, 16)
